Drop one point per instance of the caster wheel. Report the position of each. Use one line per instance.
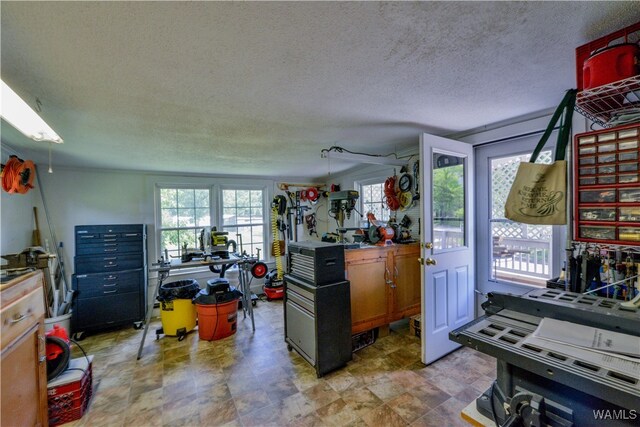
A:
(157, 337)
(137, 325)
(289, 347)
(254, 303)
(79, 336)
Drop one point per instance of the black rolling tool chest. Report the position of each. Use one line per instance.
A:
(317, 305)
(319, 263)
(110, 277)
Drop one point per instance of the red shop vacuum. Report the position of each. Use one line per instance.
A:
(57, 351)
(273, 287)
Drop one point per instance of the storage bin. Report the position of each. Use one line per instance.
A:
(595, 214)
(629, 214)
(629, 234)
(607, 179)
(628, 178)
(629, 195)
(598, 233)
(606, 148)
(628, 145)
(628, 156)
(627, 133)
(598, 196)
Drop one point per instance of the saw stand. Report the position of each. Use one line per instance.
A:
(244, 277)
(163, 268)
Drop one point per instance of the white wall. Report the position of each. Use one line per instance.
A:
(16, 214)
(87, 196)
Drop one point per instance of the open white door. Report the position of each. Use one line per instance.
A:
(447, 238)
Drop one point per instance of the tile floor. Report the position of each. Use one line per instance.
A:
(250, 379)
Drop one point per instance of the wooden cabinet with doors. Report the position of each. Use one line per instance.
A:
(385, 285)
(405, 270)
(24, 378)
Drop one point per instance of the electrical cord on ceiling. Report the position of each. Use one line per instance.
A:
(339, 149)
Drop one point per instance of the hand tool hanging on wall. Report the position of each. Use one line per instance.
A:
(311, 224)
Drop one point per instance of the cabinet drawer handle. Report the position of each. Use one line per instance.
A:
(110, 285)
(110, 278)
(111, 244)
(109, 258)
(111, 250)
(131, 234)
(110, 265)
(110, 292)
(110, 240)
(110, 235)
(19, 318)
(89, 236)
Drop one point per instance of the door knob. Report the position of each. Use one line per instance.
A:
(430, 261)
(428, 245)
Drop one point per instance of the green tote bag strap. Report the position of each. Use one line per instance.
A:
(566, 106)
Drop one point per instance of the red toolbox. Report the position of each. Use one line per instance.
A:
(610, 65)
(69, 394)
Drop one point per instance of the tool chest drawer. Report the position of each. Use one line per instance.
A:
(108, 247)
(110, 275)
(99, 284)
(96, 264)
(106, 311)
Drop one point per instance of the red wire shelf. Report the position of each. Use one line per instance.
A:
(611, 105)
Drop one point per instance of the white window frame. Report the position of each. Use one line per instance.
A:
(483, 155)
(266, 215)
(215, 209)
(370, 181)
(158, 222)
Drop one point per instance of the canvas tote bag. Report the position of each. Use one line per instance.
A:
(539, 192)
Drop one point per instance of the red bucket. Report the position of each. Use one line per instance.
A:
(217, 321)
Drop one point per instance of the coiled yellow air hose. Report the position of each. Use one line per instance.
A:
(276, 242)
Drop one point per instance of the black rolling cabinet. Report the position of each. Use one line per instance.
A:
(317, 305)
(110, 277)
(318, 322)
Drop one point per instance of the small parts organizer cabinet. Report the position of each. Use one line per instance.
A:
(110, 276)
(607, 186)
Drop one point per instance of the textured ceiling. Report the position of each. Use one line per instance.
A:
(261, 88)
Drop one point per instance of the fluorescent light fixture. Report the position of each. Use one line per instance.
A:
(22, 117)
(363, 158)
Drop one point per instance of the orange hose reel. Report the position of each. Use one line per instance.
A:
(18, 175)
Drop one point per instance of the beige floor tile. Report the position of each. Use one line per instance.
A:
(383, 416)
(251, 379)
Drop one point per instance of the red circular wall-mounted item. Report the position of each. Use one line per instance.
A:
(18, 175)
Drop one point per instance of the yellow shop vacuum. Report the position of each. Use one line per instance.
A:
(177, 312)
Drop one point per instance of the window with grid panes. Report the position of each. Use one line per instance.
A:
(184, 212)
(243, 213)
(372, 196)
